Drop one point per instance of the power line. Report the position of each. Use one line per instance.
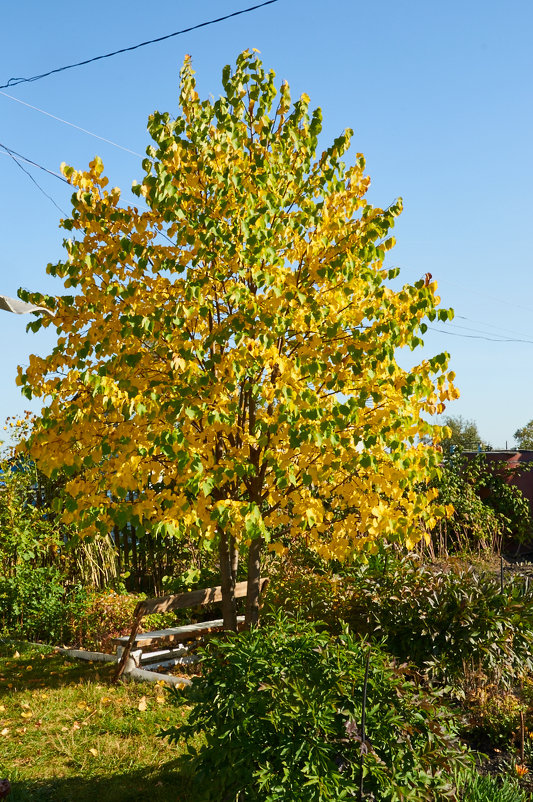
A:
(14, 153)
(499, 300)
(39, 187)
(492, 297)
(72, 125)
(490, 326)
(15, 81)
(479, 336)
(478, 331)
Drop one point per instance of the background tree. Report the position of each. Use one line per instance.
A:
(226, 366)
(524, 436)
(464, 434)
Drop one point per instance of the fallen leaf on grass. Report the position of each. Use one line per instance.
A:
(94, 752)
(5, 731)
(2, 709)
(16, 655)
(27, 714)
(142, 704)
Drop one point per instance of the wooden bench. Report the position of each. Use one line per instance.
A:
(170, 642)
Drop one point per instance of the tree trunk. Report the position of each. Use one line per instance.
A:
(233, 558)
(254, 578)
(228, 561)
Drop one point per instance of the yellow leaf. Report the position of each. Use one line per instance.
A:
(5, 731)
(27, 714)
(94, 752)
(142, 704)
(16, 655)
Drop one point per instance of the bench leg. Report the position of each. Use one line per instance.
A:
(125, 653)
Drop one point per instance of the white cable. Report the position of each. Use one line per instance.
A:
(72, 125)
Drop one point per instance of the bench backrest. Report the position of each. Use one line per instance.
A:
(193, 598)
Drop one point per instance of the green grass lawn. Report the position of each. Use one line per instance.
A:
(68, 733)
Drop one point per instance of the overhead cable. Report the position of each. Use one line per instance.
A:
(479, 336)
(490, 326)
(39, 187)
(72, 125)
(15, 81)
(14, 153)
(480, 331)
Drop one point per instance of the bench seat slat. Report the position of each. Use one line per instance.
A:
(176, 633)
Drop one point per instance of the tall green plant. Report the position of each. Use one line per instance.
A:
(282, 709)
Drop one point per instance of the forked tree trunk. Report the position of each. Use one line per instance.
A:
(228, 556)
(254, 578)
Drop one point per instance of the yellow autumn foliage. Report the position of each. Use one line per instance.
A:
(227, 351)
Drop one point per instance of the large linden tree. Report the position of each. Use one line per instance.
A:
(226, 358)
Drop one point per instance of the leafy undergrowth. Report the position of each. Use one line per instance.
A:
(68, 733)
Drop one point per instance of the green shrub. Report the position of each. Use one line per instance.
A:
(280, 709)
(305, 593)
(108, 615)
(487, 508)
(35, 604)
(445, 622)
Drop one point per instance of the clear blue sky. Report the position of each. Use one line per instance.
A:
(439, 96)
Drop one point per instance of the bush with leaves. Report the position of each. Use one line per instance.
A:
(36, 604)
(444, 621)
(306, 590)
(281, 710)
(487, 508)
(106, 615)
(33, 600)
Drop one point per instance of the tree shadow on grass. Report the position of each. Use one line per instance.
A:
(170, 783)
(36, 668)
